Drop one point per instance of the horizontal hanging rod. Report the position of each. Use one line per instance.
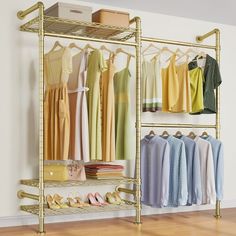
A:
(90, 39)
(180, 43)
(125, 190)
(22, 14)
(202, 37)
(169, 125)
(22, 194)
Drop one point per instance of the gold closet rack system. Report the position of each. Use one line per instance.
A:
(56, 27)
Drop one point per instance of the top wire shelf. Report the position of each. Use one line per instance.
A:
(59, 26)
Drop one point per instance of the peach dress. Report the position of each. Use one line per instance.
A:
(79, 132)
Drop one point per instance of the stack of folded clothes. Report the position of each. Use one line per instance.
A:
(104, 171)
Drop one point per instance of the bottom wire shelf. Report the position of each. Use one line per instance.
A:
(34, 209)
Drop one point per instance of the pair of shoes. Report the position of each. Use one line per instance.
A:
(96, 200)
(55, 202)
(114, 198)
(76, 202)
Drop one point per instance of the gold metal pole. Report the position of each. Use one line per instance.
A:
(138, 120)
(90, 39)
(217, 50)
(21, 14)
(41, 117)
(217, 32)
(179, 43)
(22, 194)
(207, 35)
(169, 125)
(126, 190)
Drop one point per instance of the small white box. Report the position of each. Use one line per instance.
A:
(70, 11)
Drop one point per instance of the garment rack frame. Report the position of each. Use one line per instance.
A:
(39, 6)
(216, 126)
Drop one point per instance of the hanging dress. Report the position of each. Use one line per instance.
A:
(58, 66)
(108, 111)
(152, 85)
(176, 93)
(96, 65)
(122, 113)
(79, 133)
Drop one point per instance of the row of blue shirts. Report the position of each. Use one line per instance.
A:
(178, 171)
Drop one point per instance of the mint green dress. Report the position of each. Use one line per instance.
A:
(122, 114)
(96, 65)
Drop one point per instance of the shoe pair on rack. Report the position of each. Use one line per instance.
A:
(76, 202)
(96, 200)
(55, 202)
(114, 198)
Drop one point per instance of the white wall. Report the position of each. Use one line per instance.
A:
(19, 87)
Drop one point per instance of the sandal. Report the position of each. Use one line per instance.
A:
(58, 200)
(50, 202)
(100, 199)
(78, 200)
(72, 203)
(111, 199)
(92, 200)
(117, 197)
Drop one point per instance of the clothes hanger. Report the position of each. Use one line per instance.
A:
(56, 44)
(165, 134)
(151, 45)
(204, 134)
(190, 50)
(103, 47)
(192, 135)
(73, 45)
(88, 46)
(178, 134)
(151, 133)
(120, 50)
(178, 52)
(166, 49)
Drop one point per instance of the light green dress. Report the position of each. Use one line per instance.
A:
(96, 65)
(122, 114)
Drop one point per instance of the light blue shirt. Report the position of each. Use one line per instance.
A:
(178, 188)
(218, 159)
(193, 171)
(155, 163)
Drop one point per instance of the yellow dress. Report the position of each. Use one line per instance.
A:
(196, 82)
(176, 93)
(108, 112)
(58, 66)
(96, 65)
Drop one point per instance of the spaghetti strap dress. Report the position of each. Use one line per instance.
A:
(58, 66)
(108, 111)
(122, 114)
(96, 65)
(79, 134)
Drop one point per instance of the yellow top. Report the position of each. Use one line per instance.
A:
(196, 82)
(176, 95)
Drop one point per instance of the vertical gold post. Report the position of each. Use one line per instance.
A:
(138, 120)
(217, 31)
(41, 114)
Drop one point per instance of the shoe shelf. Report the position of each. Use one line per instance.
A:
(71, 183)
(55, 25)
(34, 209)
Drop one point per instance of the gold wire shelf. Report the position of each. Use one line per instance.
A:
(55, 25)
(34, 209)
(71, 183)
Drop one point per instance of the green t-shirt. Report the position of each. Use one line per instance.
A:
(212, 80)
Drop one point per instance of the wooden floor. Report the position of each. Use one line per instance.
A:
(200, 223)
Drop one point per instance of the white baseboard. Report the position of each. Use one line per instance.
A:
(31, 219)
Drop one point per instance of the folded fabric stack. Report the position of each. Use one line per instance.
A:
(104, 171)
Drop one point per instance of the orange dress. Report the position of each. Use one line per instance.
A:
(58, 66)
(108, 112)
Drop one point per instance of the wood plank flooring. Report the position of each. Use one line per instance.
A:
(200, 223)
